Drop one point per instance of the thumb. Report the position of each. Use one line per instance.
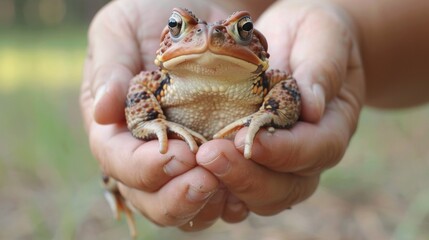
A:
(315, 45)
(112, 61)
(109, 91)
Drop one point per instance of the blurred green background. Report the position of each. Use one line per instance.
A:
(49, 182)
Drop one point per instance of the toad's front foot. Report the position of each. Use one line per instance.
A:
(281, 109)
(158, 128)
(254, 122)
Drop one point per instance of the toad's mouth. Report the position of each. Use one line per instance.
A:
(211, 64)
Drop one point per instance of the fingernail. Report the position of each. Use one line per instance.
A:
(196, 195)
(175, 167)
(234, 204)
(319, 95)
(99, 94)
(172, 168)
(219, 165)
(235, 207)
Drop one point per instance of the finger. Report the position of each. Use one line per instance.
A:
(109, 93)
(315, 46)
(307, 147)
(209, 214)
(179, 201)
(263, 191)
(319, 60)
(235, 210)
(114, 59)
(136, 163)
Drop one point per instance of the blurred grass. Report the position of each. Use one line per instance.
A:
(49, 181)
(48, 58)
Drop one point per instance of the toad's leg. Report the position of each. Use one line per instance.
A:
(144, 115)
(280, 109)
(118, 204)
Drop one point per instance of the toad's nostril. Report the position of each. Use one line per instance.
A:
(217, 36)
(217, 31)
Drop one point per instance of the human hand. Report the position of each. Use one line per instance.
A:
(317, 43)
(169, 189)
(122, 44)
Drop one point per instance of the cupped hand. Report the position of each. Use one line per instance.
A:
(170, 189)
(317, 42)
(314, 41)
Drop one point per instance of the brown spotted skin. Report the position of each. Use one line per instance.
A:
(212, 81)
(280, 109)
(283, 99)
(144, 115)
(142, 105)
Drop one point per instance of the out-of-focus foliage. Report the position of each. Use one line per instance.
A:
(47, 58)
(43, 39)
(46, 13)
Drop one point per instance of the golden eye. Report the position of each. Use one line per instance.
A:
(175, 25)
(245, 28)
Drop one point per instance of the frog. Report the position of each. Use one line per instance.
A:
(212, 80)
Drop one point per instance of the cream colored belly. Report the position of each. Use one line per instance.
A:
(206, 105)
(208, 118)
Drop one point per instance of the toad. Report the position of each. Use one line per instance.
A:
(213, 80)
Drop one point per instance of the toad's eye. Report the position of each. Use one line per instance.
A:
(245, 28)
(175, 24)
